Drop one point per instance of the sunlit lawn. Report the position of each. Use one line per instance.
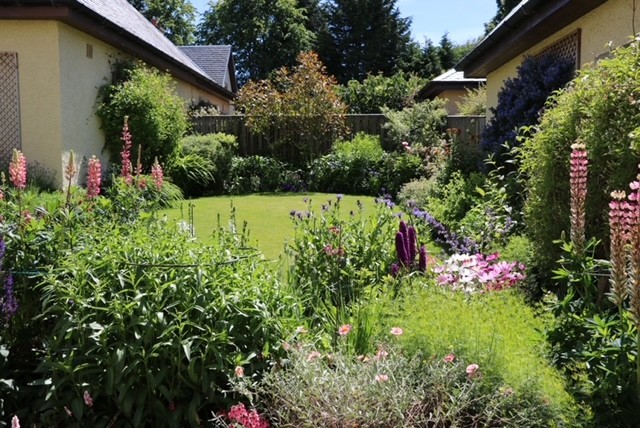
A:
(267, 215)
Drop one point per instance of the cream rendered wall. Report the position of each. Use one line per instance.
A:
(611, 24)
(81, 78)
(190, 93)
(452, 96)
(36, 43)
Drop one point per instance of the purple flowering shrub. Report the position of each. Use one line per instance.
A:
(479, 273)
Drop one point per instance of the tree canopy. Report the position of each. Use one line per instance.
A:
(265, 34)
(175, 17)
(365, 37)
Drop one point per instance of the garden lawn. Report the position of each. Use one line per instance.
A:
(267, 215)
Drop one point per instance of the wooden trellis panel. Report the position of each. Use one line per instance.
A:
(9, 107)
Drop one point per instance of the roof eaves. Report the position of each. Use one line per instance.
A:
(85, 19)
(528, 23)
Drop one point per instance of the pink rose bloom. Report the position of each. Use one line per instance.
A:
(382, 378)
(313, 355)
(239, 371)
(344, 329)
(396, 331)
(87, 399)
(472, 369)
(449, 358)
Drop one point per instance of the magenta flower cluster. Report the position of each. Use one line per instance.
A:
(240, 417)
(479, 273)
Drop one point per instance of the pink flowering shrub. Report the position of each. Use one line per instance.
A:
(239, 417)
(479, 273)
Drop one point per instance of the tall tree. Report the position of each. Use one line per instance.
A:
(504, 7)
(365, 37)
(175, 17)
(446, 53)
(265, 34)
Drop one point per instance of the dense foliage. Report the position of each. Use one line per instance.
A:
(377, 91)
(353, 50)
(148, 99)
(422, 124)
(599, 109)
(521, 99)
(212, 152)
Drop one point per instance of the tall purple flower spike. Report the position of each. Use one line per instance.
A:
(403, 257)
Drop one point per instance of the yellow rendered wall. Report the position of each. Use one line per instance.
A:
(452, 96)
(81, 78)
(192, 94)
(36, 43)
(611, 24)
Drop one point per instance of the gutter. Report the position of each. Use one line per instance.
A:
(528, 24)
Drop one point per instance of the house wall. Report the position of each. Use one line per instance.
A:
(82, 75)
(452, 96)
(192, 94)
(39, 86)
(612, 23)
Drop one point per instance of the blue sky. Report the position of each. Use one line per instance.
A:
(462, 19)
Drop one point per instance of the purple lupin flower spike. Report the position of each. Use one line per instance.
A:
(412, 243)
(422, 259)
(401, 249)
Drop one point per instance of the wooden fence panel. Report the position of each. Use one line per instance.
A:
(255, 144)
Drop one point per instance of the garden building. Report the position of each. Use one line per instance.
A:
(451, 86)
(582, 31)
(54, 57)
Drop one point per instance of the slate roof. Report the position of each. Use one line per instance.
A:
(125, 16)
(215, 60)
(450, 79)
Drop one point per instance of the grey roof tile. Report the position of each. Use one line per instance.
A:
(124, 15)
(213, 59)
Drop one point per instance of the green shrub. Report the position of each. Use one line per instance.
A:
(398, 169)
(362, 167)
(599, 108)
(422, 124)
(352, 167)
(474, 103)
(498, 331)
(262, 174)
(362, 146)
(452, 201)
(153, 326)
(218, 149)
(157, 115)
(375, 92)
(416, 193)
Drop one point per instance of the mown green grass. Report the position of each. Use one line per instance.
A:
(497, 330)
(267, 215)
